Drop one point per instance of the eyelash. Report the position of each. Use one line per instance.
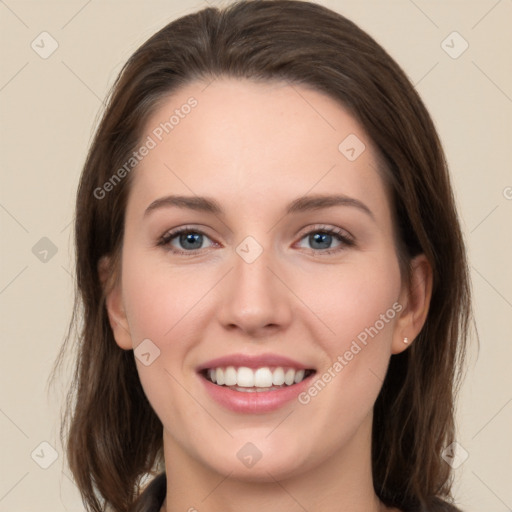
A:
(342, 236)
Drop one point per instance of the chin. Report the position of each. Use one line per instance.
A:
(259, 460)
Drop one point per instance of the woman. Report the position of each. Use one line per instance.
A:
(272, 276)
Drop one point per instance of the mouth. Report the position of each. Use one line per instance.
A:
(256, 380)
(254, 384)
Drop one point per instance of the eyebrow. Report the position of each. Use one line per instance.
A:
(301, 204)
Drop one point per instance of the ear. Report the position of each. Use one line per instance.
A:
(415, 300)
(111, 284)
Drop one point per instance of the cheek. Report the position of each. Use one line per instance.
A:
(158, 299)
(361, 309)
(172, 307)
(360, 298)
(159, 312)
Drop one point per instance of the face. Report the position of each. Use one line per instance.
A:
(267, 274)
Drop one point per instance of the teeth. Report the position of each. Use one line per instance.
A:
(244, 377)
(299, 376)
(265, 377)
(230, 376)
(278, 377)
(289, 377)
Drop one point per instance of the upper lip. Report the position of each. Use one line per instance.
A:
(253, 361)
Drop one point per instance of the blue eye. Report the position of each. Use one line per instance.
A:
(189, 239)
(321, 239)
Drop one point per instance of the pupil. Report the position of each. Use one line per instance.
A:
(192, 238)
(322, 238)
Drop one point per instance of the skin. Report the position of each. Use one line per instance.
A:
(255, 147)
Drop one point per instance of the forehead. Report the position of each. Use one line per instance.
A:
(250, 142)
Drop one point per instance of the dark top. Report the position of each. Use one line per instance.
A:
(153, 496)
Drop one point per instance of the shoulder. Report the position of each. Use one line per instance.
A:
(153, 496)
(442, 506)
(436, 505)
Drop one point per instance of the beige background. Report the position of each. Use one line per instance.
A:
(48, 110)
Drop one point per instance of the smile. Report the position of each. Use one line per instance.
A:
(244, 379)
(254, 383)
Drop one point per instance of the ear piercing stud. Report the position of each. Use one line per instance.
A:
(406, 340)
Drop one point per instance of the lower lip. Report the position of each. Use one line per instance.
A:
(257, 401)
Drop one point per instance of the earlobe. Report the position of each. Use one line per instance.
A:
(114, 304)
(415, 298)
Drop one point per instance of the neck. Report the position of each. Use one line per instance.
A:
(342, 482)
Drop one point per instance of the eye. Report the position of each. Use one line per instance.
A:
(189, 240)
(321, 239)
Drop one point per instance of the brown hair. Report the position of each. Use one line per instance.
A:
(301, 43)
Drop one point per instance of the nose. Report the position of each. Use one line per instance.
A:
(255, 298)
